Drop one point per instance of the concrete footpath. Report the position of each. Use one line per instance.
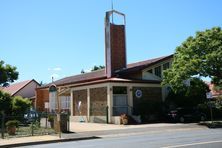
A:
(87, 131)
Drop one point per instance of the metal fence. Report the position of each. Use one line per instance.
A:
(26, 125)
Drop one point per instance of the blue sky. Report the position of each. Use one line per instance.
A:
(61, 37)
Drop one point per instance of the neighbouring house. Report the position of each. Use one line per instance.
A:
(103, 95)
(25, 89)
(215, 93)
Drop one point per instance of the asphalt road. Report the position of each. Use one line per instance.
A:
(182, 137)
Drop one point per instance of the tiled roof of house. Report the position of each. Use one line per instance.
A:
(101, 74)
(95, 75)
(14, 88)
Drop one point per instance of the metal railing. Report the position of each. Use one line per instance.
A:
(22, 126)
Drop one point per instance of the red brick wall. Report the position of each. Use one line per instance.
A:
(98, 101)
(118, 48)
(80, 95)
(42, 96)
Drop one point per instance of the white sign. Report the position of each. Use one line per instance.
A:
(47, 105)
(209, 95)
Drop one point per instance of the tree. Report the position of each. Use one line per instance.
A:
(200, 56)
(97, 67)
(5, 103)
(8, 74)
(189, 96)
(20, 105)
(94, 68)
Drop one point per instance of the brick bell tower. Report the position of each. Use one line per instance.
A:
(115, 44)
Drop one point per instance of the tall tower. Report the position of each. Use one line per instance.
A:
(115, 44)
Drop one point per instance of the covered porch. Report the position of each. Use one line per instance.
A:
(105, 102)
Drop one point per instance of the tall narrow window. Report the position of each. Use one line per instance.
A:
(166, 66)
(157, 71)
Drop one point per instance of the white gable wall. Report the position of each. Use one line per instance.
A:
(151, 76)
(28, 91)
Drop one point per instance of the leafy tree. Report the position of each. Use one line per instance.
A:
(20, 105)
(97, 67)
(189, 96)
(94, 68)
(8, 74)
(5, 103)
(200, 55)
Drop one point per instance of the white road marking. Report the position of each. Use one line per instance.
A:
(192, 144)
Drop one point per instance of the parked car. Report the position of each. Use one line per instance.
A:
(31, 116)
(186, 115)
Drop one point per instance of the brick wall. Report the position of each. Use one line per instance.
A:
(42, 96)
(80, 95)
(150, 96)
(98, 101)
(118, 47)
(116, 55)
(148, 93)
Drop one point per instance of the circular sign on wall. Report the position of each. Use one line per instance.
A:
(138, 93)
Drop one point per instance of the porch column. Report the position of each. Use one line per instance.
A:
(71, 101)
(88, 105)
(109, 101)
(130, 99)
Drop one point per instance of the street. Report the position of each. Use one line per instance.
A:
(187, 136)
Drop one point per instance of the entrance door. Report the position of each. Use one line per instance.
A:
(120, 101)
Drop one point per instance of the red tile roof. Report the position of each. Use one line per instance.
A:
(14, 88)
(95, 75)
(101, 74)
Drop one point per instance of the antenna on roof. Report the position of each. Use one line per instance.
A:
(112, 9)
(52, 79)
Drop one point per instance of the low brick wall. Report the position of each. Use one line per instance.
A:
(98, 101)
(80, 95)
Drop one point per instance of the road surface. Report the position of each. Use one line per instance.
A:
(180, 137)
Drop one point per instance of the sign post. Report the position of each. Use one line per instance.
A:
(209, 97)
(53, 89)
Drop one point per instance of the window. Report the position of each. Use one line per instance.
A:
(157, 71)
(166, 66)
(52, 101)
(119, 90)
(65, 102)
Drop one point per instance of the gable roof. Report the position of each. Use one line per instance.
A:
(143, 64)
(101, 74)
(16, 87)
(95, 75)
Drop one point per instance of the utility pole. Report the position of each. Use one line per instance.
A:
(53, 89)
(58, 113)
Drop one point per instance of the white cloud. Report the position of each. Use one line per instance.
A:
(57, 69)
